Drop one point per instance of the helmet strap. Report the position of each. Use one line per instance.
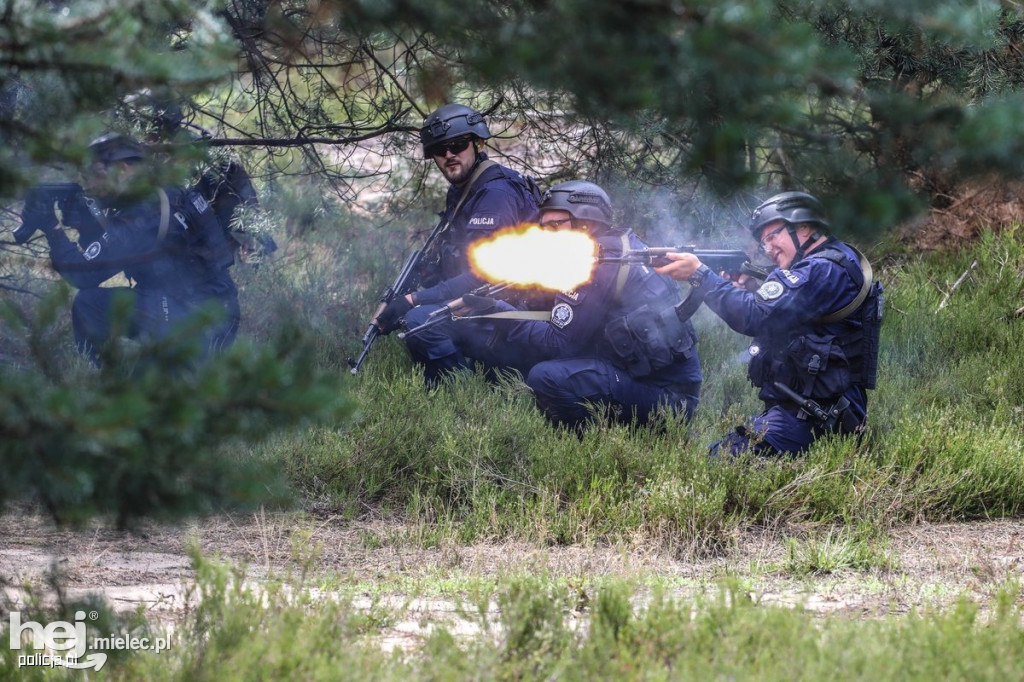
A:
(801, 249)
(791, 231)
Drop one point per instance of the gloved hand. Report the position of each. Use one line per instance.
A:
(478, 304)
(36, 215)
(391, 317)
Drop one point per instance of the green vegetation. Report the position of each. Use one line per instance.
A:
(477, 461)
(152, 433)
(883, 109)
(533, 628)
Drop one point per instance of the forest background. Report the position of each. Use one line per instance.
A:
(903, 120)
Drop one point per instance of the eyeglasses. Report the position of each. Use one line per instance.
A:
(765, 239)
(555, 224)
(456, 146)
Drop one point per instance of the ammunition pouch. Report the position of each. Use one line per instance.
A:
(817, 363)
(648, 339)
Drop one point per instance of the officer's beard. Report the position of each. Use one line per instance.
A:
(459, 174)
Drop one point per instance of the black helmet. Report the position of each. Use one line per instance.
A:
(792, 207)
(449, 122)
(584, 201)
(113, 147)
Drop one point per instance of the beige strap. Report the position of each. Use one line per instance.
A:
(620, 281)
(477, 172)
(544, 315)
(165, 215)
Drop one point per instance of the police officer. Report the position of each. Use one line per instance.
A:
(815, 323)
(166, 242)
(615, 341)
(483, 197)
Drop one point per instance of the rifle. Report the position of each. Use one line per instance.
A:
(444, 313)
(731, 261)
(406, 281)
(827, 418)
(40, 201)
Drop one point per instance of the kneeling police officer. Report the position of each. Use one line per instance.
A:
(815, 322)
(614, 342)
(166, 242)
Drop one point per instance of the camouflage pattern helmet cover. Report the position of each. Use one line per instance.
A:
(583, 200)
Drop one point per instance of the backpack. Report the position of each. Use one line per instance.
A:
(227, 187)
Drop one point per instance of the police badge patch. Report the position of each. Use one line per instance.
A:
(93, 251)
(770, 290)
(561, 315)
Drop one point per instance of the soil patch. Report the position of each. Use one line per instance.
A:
(931, 565)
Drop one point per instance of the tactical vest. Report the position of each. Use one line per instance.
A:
(834, 353)
(193, 251)
(643, 335)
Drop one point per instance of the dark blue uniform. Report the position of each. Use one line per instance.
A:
(171, 275)
(817, 359)
(499, 198)
(614, 342)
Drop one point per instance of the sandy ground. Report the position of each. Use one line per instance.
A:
(931, 565)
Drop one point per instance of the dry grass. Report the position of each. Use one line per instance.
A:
(932, 564)
(977, 206)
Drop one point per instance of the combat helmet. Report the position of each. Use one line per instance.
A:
(449, 122)
(584, 201)
(793, 208)
(112, 147)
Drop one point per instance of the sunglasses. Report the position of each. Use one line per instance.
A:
(456, 146)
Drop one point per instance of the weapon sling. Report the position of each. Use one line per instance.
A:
(477, 172)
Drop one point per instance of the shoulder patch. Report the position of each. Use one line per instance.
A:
(770, 290)
(791, 277)
(561, 315)
(202, 206)
(92, 251)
